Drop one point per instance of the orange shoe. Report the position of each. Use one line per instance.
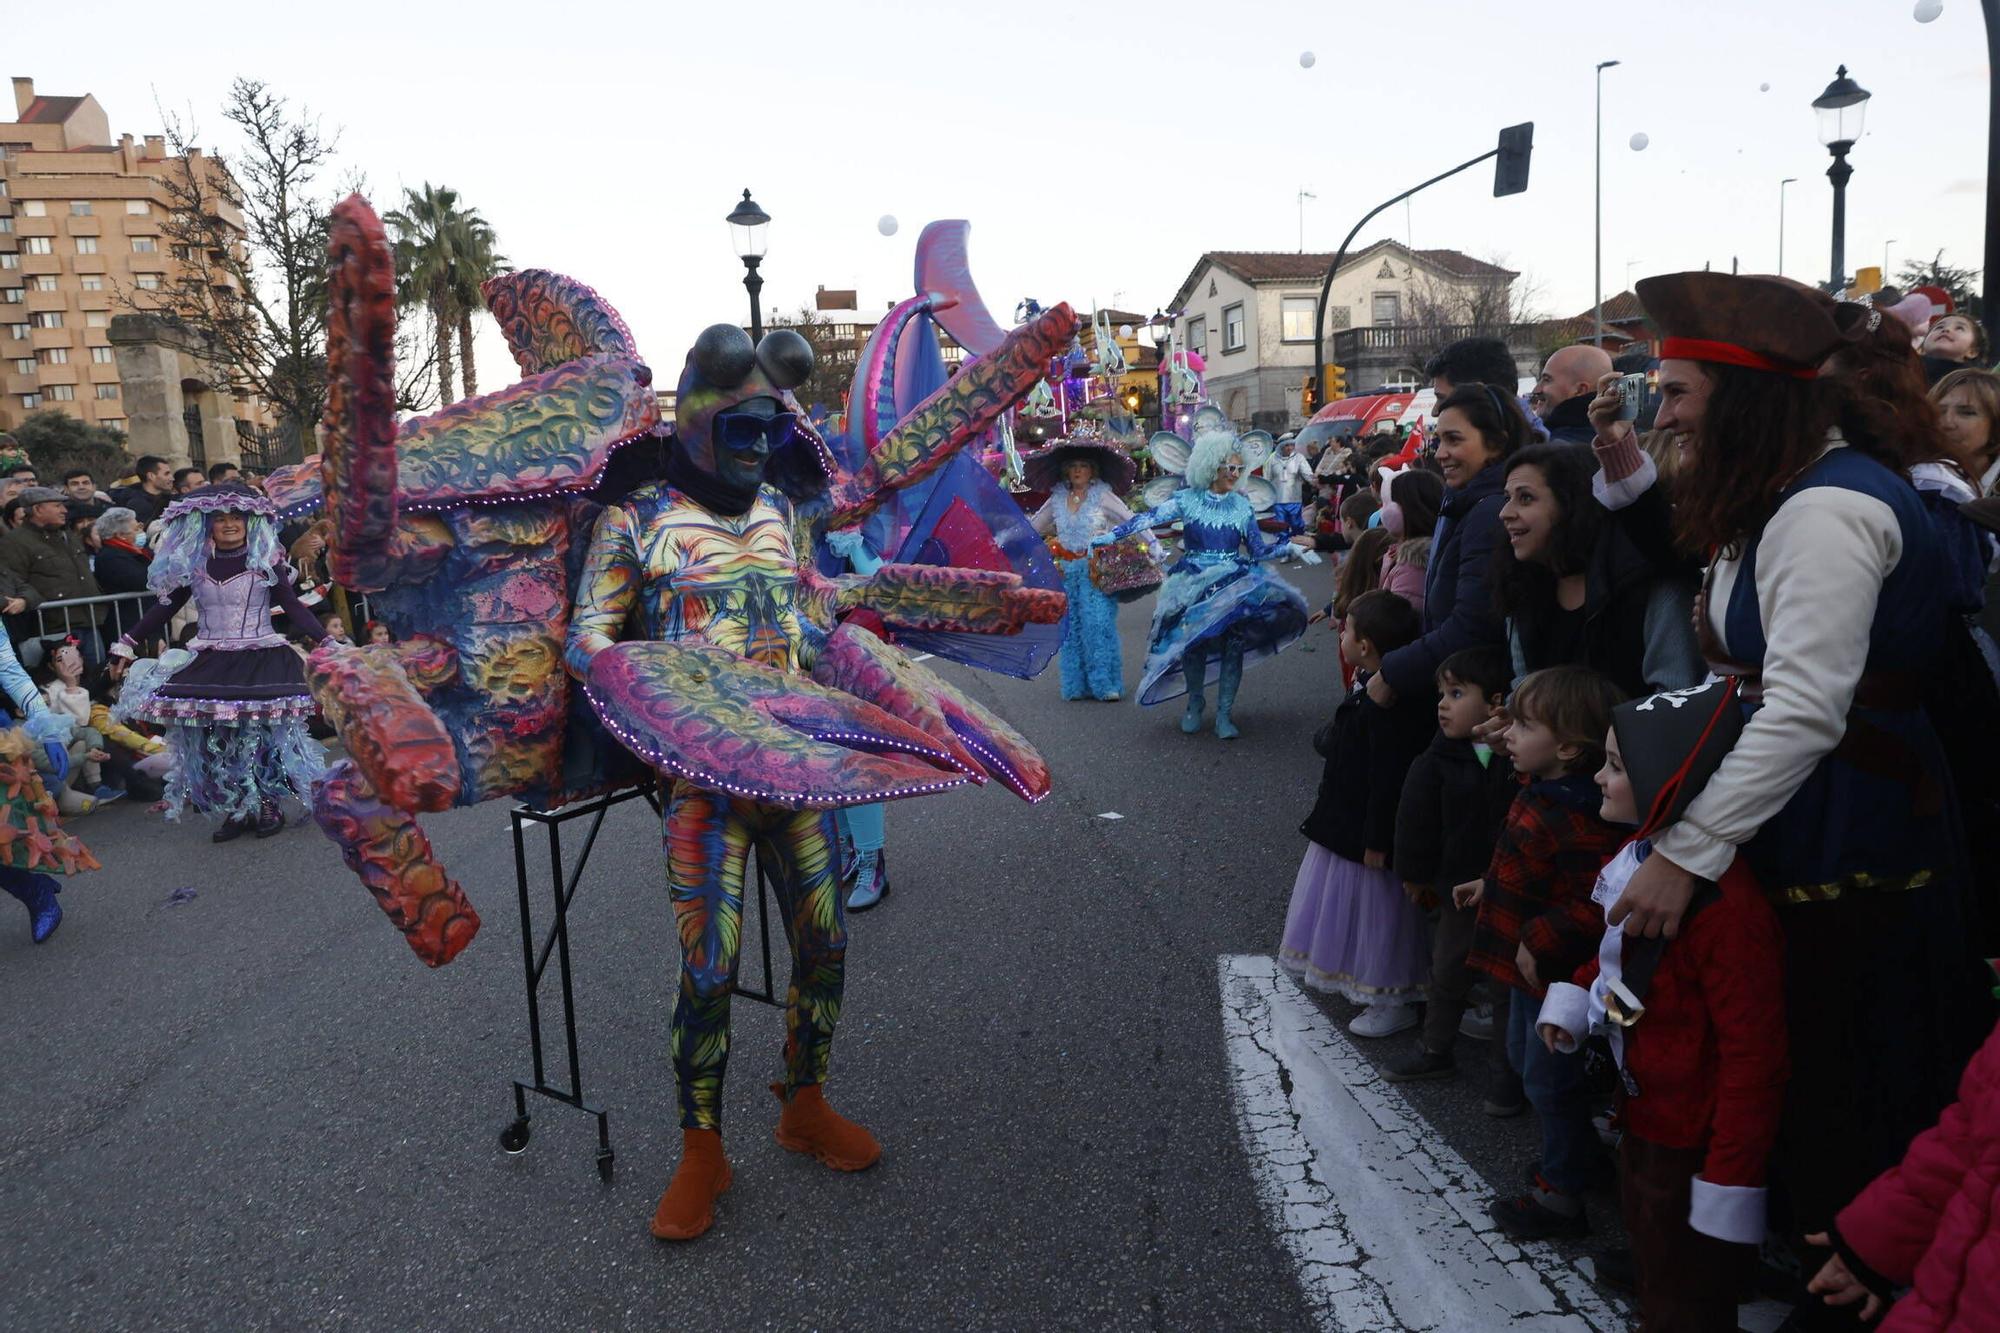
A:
(688, 1207)
(809, 1125)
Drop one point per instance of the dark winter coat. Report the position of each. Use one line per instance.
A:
(1638, 611)
(121, 568)
(53, 562)
(1539, 883)
(142, 502)
(1569, 421)
(1368, 753)
(1450, 815)
(1459, 611)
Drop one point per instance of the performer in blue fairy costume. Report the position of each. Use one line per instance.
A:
(1219, 608)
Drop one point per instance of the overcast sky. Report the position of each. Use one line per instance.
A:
(1097, 149)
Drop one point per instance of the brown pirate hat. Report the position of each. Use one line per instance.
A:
(1756, 321)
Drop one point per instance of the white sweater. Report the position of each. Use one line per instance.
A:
(1820, 568)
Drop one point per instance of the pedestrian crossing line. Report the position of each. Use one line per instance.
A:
(1386, 1223)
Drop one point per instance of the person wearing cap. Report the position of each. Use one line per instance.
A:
(1289, 474)
(235, 714)
(1825, 596)
(46, 555)
(1703, 1077)
(1084, 476)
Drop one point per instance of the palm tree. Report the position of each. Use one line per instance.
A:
(476, 261)
(443, 254)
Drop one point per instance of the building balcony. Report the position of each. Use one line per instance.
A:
(56, 300)
(86, 263)
(27, 226)
(83, 226)
(63, 374)
(41, 263)
(148, 225)
(97, 300)
(99, 372)
(157, 262)
(40, 338)
(17, 383)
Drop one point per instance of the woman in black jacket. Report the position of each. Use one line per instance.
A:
(1577, 588)
(1478, 428)
(121, 563)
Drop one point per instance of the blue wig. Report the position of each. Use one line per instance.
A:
(1210, 452)
(184, 548)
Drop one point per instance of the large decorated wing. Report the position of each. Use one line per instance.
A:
(1160, 490)
(731, 725)
(1257, 447)
(1170, 452)
(1261, 494)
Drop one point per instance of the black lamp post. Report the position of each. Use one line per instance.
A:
(1842, 109)
(747, 225)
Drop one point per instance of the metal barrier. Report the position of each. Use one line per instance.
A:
(115, 613)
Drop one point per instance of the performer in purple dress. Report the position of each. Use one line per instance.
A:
(235, 711)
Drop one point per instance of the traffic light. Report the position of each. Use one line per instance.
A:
(1336, 383)
(1309, 397)
(1510, 164)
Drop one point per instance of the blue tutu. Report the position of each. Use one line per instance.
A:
(1208, 599)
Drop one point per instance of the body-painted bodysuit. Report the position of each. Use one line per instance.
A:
(693, 575)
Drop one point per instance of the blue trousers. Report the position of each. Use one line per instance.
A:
(1554, 1084)
(1292, 516)
(1092, 667)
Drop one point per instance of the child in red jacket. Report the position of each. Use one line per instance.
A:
(1536, 921)
(1930, 1223)
(1704, 1073)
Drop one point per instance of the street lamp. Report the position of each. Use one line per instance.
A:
(1842, 109)
(1598, 269)
(1789, 180)
(747, 225)
(1885, 258)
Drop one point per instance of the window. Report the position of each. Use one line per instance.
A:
(138, 208)
(106, 391)
(144, 245)
(86, 245)
(79, 208)
(12, 295)
(149, 282)
(34, 208)
(1232, 328)
(102, 356)
(97, 319)
(6, 226)
(46, 319)
(30, 401)
(1197, 335)
(17, 330)
(45, 282)
(93, 283)
(1386, 308)
(8, 259)
(62, 393)
(55, 356)
(1296, 315)
(112, 423)
(24, 365)
(184, 253)
(39, 245)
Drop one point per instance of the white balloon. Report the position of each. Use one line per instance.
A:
(1639, 142)
(886, 224)
(1927, 10)
(1124, 330)
(1763, 87)
(1307, 60)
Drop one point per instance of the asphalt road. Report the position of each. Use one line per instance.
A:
(255, 1109)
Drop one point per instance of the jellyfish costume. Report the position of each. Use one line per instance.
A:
(234, 705)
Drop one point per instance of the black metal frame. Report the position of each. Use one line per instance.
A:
(535, 953)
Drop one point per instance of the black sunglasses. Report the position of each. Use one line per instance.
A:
(740, 431)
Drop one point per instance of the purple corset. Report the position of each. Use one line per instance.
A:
(235, 614)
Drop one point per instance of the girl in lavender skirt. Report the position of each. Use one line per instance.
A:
(235, 710)
(1350, 929)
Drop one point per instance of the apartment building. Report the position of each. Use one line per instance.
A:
(82, 239)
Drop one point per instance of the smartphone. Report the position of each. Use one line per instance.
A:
(1631, 396)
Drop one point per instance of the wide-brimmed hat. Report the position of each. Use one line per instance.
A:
(1043, 469)
(226, 497)
(1756, 321)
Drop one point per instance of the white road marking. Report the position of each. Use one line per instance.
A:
(923, 657)
(1387, 1224)
(1111, 814)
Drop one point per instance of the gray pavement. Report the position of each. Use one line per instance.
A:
(257, 1110)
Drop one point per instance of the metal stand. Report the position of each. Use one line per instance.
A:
(535, 955)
